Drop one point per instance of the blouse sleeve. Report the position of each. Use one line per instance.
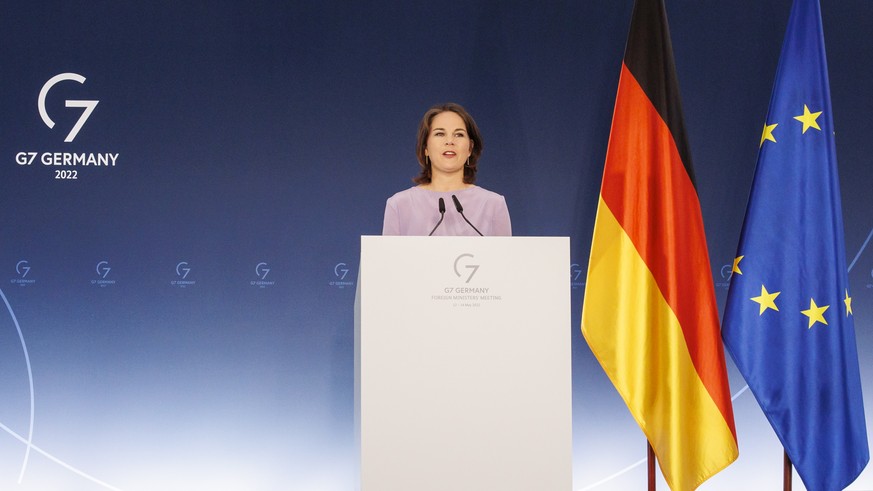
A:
(391, 222)
(502, 225)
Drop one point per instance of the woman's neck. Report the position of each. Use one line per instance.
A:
(443, 183)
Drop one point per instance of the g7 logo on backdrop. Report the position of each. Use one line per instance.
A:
(22, 268)
(261, 270)
(340, 270)
(182, 269)
(88, 105)
(103, 269)
(575, 272)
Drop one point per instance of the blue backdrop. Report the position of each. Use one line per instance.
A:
(182, 319)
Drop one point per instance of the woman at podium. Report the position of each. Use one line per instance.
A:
(446, 200)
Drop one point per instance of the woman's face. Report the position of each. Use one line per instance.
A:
(448, 144)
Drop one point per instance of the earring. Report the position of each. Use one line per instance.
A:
(468, 162)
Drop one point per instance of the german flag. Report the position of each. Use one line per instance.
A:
(650, 314)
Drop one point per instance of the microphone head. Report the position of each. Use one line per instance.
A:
(442, 206)
(457, 204)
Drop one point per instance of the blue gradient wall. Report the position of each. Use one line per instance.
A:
(185, 316)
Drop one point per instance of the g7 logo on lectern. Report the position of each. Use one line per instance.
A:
(87, 105)
(472, 267)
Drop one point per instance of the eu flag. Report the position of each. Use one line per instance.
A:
(788, 322)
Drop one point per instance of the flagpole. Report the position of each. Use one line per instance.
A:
(650, 454)
(786, 473)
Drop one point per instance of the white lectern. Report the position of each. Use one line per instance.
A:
(462, 350)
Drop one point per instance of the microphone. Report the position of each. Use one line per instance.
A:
(461, 211)
(442, 215)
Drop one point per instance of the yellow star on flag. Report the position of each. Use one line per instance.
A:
(808, 119)
(736, 268)
(768, 133)
(815, 313)
(848, 302)
(766, 300)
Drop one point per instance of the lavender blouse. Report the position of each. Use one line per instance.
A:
(415, 211)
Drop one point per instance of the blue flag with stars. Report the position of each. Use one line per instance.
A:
(788, 321)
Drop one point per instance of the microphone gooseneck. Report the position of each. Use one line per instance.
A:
(442, 208)
(461, 211)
